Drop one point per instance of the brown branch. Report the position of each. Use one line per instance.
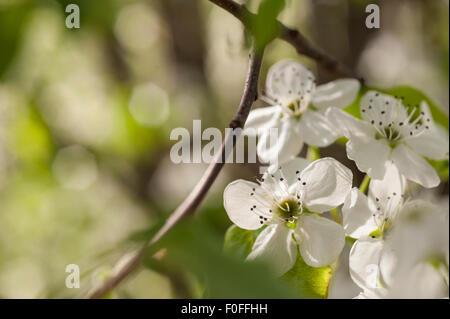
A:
(291, 36)
(193, 200)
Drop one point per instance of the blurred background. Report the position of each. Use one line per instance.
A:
(86, 114)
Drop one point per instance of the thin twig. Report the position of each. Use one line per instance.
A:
(193, 200)
(291, 36)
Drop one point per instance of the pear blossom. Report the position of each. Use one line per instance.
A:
(388, 132)
(297, 110)
(420, 241)
(413, 260)
(368, 218)
(288, 203)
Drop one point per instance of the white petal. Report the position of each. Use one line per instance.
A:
(287, 144)
(289, 80)
(369, 155)
(414, 167)
(261, 119)
(238, 203)
(364, 262)
(288, 170)
(422, 282)
(325, 183)
(387, 192)
(276, 246)
(316, 130)
(339, 93)
(382, 108)
(432, 144)
(321, 240)
(348, 125)
(357, 216)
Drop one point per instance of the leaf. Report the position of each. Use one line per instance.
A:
(264, 26)
(311, 282)
(193, 247)
(238, 241)
(441, 167)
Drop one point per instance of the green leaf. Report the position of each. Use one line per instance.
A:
(193, 247)
(264, 26)
(311, 282)
(238, 241)
(441, 167)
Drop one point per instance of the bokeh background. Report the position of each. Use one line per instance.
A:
(86, 114)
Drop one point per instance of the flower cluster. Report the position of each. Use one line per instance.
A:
(391, 143)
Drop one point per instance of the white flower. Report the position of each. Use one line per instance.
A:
(297, 110)
(286, 202)
(420, 241)
(389, 132)
(367, 219)
(402, 247)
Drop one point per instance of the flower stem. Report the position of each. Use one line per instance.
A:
(312, 154)
(364, 184)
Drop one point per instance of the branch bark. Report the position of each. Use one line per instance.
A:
(291, 36)
(193, 200)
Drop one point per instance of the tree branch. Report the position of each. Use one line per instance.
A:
(193, 200)
(291, 36)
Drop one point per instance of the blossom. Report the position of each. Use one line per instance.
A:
(368, 219)
(413, 262)
(420, 241)
(288, 203)
(297, 110)
(399, 243)
(388, 132)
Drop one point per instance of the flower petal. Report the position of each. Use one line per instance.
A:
(348, 125)
(364, 262)
(387, 193)
(240, 204)
(382, 109)
(315, 129)
(320, 239)
(414, 167)
(339, 93)
(288, 170)
(276, 246)
(262, 118)
(289, 80)
(325, 183)
(434, 142)
(369, 155)
(286, 145)
(357, 216)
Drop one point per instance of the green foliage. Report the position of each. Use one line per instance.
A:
(441, 167)
(312, 282)
(308, 282)
(238, 241)
(194, 247)
(264, 26)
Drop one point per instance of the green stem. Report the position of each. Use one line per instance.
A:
(312, 154)
(364, 184)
